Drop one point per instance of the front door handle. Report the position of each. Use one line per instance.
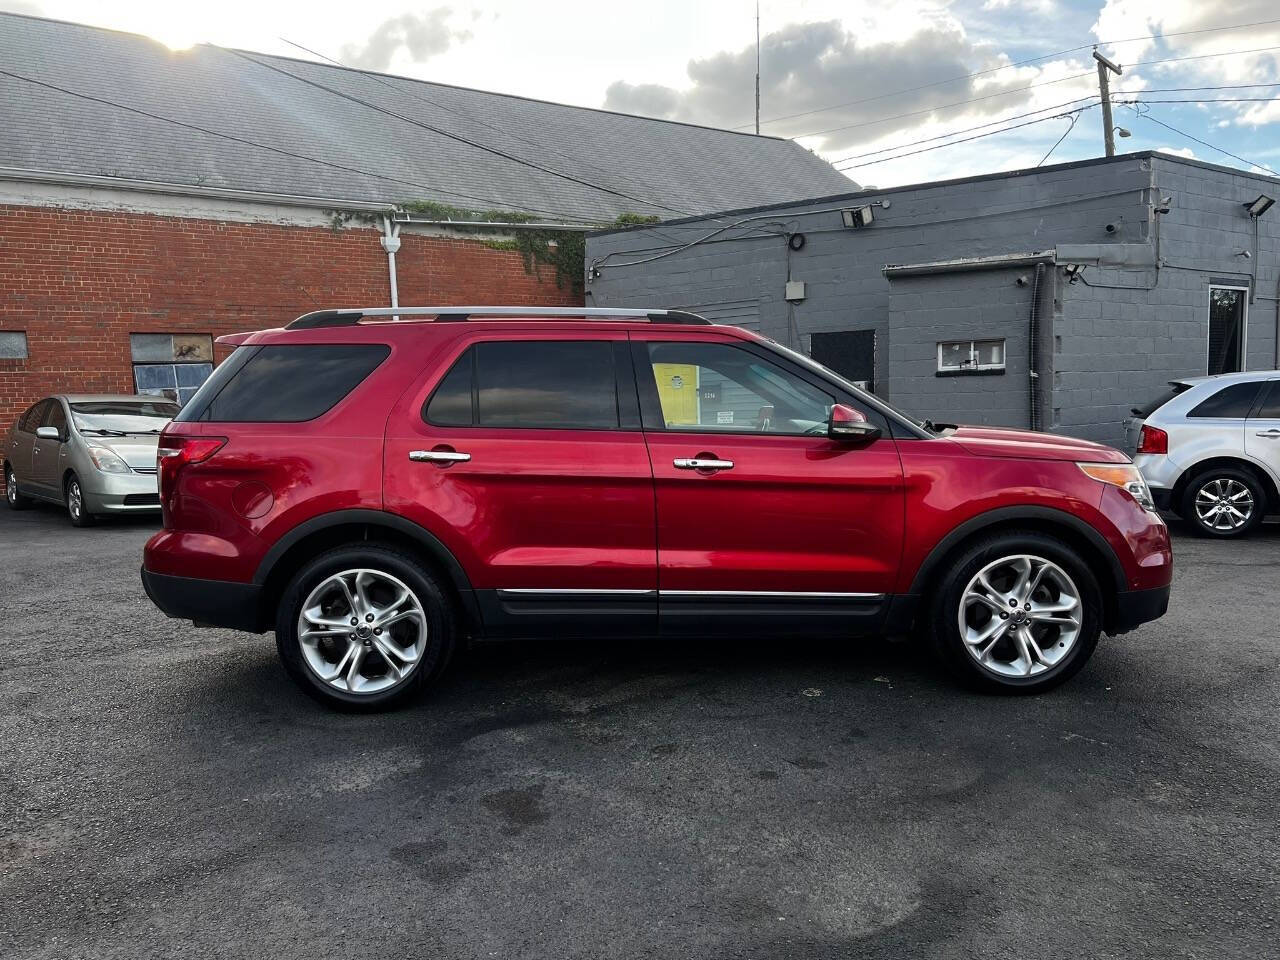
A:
(438, 456)
(1269, 434)
(701, 463)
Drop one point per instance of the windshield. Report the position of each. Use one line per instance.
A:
(123, 417)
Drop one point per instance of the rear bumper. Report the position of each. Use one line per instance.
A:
(1163, 497)
(214, 603)
(1136, 607)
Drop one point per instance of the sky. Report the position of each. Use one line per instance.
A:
(892, 91)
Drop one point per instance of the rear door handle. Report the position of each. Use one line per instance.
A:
(1269, 434)
(438, 456)
(699, 463)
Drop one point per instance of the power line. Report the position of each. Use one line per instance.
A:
(979, 136)
(458, 137)
(262, 146)
(1016, 90)
(953, 133)
(943, 106)
(1019, 63)
(1058, 142)
(1205, 143)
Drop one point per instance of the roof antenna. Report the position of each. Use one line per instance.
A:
(757, 68)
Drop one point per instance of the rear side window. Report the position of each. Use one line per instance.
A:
(1271, 405)
(1233, 402)
(283, 383)
(555, 384)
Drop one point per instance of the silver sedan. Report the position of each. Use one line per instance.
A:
(95, 454)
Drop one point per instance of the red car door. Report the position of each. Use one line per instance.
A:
(763, 521)
(527, 461)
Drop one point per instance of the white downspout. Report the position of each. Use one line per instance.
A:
(391, 243)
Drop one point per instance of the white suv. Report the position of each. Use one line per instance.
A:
(1209, 448)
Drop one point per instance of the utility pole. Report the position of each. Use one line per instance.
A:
(1104, 91)
(757, 68)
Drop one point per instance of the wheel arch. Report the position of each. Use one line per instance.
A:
(1093, 548)
(1263, 475)
(341, 527)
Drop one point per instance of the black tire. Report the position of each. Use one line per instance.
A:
(965, 566)
(73, 498)
(12, 497)
(1220, 478)
(436, 603)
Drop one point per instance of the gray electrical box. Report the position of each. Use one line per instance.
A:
(795, 291)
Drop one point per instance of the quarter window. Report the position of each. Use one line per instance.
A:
(284, 384)
(172, 365)
(718, 388)
(1233, 402)
(970, 356)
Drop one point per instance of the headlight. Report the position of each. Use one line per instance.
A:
(108, 461)
(1125, 476)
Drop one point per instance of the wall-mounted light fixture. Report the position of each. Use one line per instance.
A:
(1260, 206)
(857, 217)
(1073, 271)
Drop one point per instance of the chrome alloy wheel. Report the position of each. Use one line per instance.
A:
(362, 631)
(1020, 616)
(75, 500)
(1224, 504)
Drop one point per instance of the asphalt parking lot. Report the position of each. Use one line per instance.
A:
(167, 792)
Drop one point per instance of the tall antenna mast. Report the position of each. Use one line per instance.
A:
(757, 68)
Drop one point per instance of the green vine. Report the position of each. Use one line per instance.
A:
(562, 250)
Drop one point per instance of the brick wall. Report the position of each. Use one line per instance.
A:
(79, 282)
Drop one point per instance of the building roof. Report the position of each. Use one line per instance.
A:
(83, 100)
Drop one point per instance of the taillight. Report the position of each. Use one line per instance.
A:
(175, 452)
(1153, 440)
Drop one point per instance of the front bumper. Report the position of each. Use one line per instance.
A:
(1136, 607)
(1162, 497)
(213, 603)
(120, 493)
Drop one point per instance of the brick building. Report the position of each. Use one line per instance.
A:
(1057, 298)
(152, 200)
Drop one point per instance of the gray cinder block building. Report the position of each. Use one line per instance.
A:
(1055, 298)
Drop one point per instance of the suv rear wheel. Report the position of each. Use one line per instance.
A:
(1017, 613)
(1224, 502)
(364, 627)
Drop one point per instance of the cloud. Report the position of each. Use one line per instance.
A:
(422, 35)
(808, 67)
(21, 6)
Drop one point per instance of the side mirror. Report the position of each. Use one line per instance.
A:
(847, 424)
(48, 433)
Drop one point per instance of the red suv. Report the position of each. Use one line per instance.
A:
(379, 492)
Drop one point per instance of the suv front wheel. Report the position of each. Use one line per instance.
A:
(1017, 613)
(364, 627)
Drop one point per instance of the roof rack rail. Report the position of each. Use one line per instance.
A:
(350, 317)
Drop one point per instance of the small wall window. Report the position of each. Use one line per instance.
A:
(13, 345)
(171, 365)
(970, 356)
(1227, 316)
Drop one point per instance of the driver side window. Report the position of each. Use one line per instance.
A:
(720, 388)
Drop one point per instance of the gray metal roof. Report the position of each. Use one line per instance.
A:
(295, 137)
